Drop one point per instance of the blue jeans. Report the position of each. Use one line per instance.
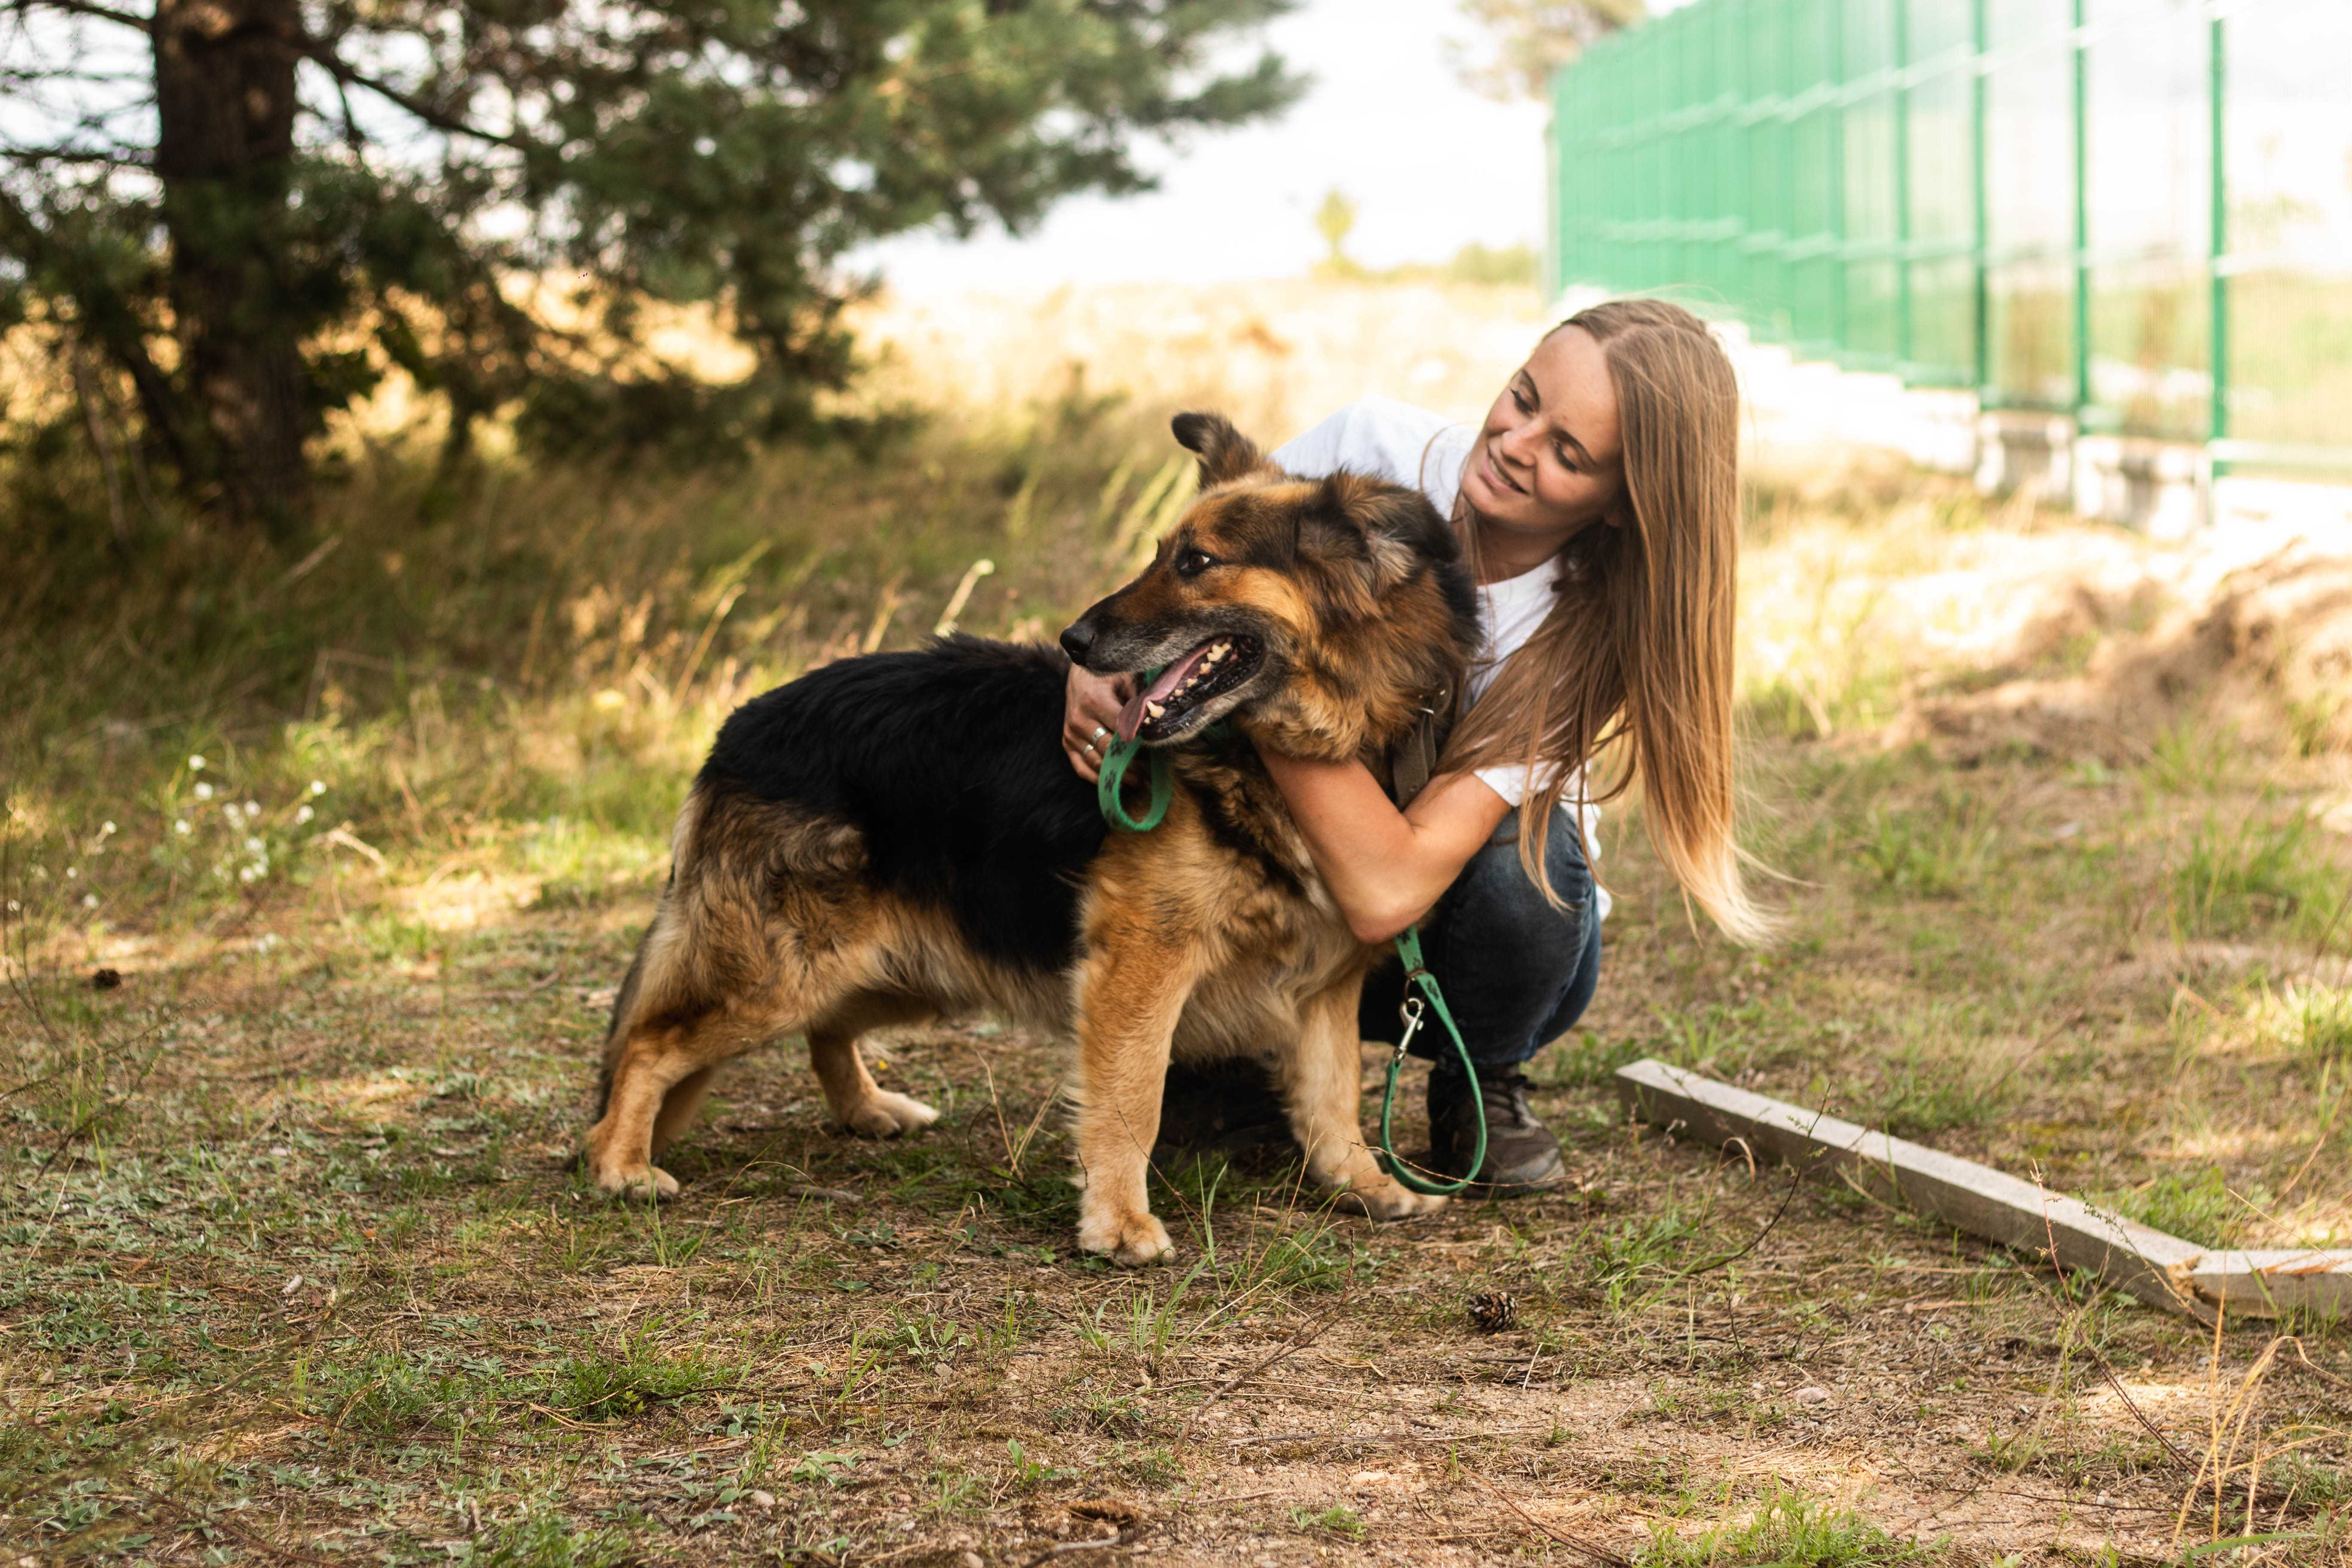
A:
(1517, 972)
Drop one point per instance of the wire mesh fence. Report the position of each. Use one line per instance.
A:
(2137, 213)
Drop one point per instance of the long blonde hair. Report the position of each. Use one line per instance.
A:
(1637, 653)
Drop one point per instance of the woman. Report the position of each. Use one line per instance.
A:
(1598, 507)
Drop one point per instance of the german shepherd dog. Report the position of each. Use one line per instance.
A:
(898, 836)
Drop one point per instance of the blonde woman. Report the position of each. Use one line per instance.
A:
(1598, 509)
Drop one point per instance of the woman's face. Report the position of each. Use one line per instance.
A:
(1548, 459)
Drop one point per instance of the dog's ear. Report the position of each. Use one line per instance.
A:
(1225, 453)
(1388, 530)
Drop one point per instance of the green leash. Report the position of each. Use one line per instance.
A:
(1110, 783)
(1110, 778)
(1409, 1014)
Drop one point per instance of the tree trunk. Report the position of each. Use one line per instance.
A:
(224, 100)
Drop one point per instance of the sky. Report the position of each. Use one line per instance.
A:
(1430, 164)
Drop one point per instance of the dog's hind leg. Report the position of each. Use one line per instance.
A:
(856, 1102)
(1322, 1089)
(650, 1062)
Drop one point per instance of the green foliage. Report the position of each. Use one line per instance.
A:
(2236, 877)
(1531, 38)
(1333, 220)
(654, 156)
(1788, 1532)
(389, 1392)
(541, 1538)
(2324, 1020)
(2195, 1207)
(1938, 853)
(1338, 1520)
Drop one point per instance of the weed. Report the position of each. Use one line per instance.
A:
(597, 1386)
(1788, 1530)
(2324, 1023)
(956, 1490)
(2234, 878)
(1338, 1520)
(825, 1467)
(542, 1540)
(390, 1393)
(1157, 1467)
(1631, 1249)
(2185, 758)
(1028, 1472)
(2307, 1481)
(2195, 1206)
(1939, 857)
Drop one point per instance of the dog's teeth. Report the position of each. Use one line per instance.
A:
(1157, 710)
(1215, 654)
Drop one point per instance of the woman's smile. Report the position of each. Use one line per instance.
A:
(1496, 477)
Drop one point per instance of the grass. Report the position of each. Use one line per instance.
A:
(1789, 1533)
(299, 1267)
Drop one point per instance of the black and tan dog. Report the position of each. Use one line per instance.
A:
(898, 836)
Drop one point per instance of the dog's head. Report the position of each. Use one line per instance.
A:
(1325, 615)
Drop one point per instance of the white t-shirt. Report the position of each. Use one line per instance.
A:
(1408, 446)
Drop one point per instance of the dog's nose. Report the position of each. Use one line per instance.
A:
(1079, 640)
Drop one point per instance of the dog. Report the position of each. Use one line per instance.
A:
(900, 836)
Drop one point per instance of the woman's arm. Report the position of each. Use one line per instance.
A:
(1383, 866)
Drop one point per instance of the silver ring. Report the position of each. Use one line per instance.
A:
(1090, 749)
(1100, 731)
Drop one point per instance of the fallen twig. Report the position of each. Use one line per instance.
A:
(1306, 1335)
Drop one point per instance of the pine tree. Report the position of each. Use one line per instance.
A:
(249, 210)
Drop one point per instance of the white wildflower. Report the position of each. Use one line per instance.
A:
(203, 792)
(253, 808)
(89, 900)
(303, 816)
(195, 764)
(317, 788)
(181, 826)
(72, 871)
(256, 845)
(105, 829)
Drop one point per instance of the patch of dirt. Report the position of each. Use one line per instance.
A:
(2264, 650)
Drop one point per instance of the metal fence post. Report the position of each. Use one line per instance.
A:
(2217, 349)
(1904, 348)
(1980, 180)
(2082, 217)
(1841, 227)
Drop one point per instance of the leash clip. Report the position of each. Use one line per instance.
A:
(1409, 1014)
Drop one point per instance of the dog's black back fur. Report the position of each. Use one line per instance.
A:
(949, 760)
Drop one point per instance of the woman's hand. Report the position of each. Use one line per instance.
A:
(1090, 710)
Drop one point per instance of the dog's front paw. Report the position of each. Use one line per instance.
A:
(1129, 1240)
(1387, 1200)
(639, 1182)
(886, 1115)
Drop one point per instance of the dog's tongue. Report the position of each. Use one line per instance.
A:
(1130, 718)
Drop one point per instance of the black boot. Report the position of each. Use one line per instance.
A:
(1522, 1155)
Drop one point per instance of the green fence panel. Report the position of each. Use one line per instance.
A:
(2287, 275)
(2083, 206)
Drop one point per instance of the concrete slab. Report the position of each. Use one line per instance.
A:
(2160, 1270)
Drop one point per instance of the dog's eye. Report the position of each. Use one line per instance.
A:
(1192, 562)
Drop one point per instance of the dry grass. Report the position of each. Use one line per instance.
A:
(299, 1270)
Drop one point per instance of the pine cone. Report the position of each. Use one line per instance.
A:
(1492, 1312)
